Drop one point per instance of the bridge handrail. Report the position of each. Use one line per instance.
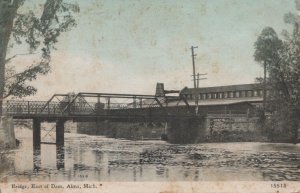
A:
(56, 108)
(80, 103)
(116, 95)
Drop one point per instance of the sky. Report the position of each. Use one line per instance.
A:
(128, 46)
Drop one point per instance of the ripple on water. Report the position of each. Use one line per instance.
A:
(107, 159)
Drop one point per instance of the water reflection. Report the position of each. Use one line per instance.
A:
(97, 158)
(60, 157)
(37, 159)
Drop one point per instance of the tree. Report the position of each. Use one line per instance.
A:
(267, 48)
(282, 58)
(39, 32)
(285, 79)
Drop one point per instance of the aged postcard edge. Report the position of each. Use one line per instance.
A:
(162, 187)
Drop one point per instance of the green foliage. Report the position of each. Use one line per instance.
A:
(267, 46)
(40, 33)
(17, 84)
(283, 65)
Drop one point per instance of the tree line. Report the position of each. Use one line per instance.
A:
(280, 58)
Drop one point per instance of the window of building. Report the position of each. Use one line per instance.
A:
(259, 93)
(237, 94)
(230, 94)
(268, 93)
(225, 95)
(220, 95)
(200, 96)
(243, 93)
(209, 96)
(249, 93)
(214, 95)
(204, 96)
(255, 93)
(194, 96)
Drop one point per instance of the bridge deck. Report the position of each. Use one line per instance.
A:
(97, 106)
(91, 106)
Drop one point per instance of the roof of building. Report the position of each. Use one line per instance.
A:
(211, 102)
(239, 87)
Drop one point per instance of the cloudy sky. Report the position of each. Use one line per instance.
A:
(128, 46)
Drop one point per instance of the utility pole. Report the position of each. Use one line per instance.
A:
(196, 78)
(196, 84)
(196, 93)
(194, 70)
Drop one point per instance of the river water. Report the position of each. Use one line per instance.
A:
(97, 158)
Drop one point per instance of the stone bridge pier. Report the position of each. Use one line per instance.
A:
(185, 130)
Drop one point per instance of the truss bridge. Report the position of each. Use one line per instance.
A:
(91, 107)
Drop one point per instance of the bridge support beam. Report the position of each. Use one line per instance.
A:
(60, 141)
(36, 138)
(36, 127)
(60, 132)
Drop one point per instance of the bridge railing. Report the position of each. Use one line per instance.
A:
(30, 107)
(42, 107)
(14, 107)
(86, 104)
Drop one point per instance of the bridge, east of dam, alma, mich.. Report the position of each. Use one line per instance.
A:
(92, 107)
(223, 103)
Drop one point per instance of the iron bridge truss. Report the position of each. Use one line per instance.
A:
(89, 104)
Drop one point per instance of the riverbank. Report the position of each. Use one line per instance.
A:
(212, 129)
(215, 130)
